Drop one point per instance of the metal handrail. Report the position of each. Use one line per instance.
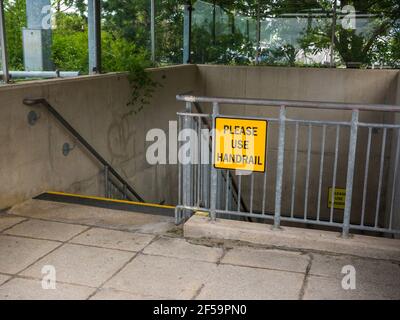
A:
(291, 103)
(208, 125)
(86, 144)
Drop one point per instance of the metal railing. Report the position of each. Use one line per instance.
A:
(115, 186)
(311, 157)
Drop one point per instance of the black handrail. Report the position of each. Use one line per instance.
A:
(60, 118)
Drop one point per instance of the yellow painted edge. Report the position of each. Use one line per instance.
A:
(110, 200)
(202, 214)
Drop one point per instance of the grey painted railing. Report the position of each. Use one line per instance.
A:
(222, 199)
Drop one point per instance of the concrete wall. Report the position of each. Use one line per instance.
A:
(31, 159)
(335, 85)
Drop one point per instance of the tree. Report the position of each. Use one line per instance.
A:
(351, 45)
(15, 20)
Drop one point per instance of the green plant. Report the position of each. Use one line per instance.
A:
(119, 55)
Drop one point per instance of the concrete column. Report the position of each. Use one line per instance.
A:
(37, 36)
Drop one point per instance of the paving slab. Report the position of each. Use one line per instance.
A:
(267, 258)
(3, 278)
(18, 253)
(77, 264)
(379, 272)
(322, 288)
(243, 283)
(111, 294)
(180, 248)
(47, 230)
(7, 221)
(292, 238)
(114, 239)
(162, 276)
(91, 216)
(27, 289)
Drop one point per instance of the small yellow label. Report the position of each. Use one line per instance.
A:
(240, 144)
(339, 198)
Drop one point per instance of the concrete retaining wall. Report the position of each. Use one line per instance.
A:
(334, 85)
(31, 159)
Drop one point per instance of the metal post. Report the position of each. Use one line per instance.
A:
(258, 31)
(214, 172)
(3, 44)
(106, 189)
(350, 173)
(187, 181)
(187, 32)
(94, 34)
(37, 36)
(334, 18)
(153, 30)
(279, 170)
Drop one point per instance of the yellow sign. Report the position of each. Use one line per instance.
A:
(339, 199)
(240, 144)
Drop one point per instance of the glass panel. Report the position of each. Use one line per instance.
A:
(298, 33)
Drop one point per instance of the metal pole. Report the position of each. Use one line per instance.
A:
(279, 170)
(153, 30)
(214, 172)
(258, 33)
(106, 193)
(187, 32)
(350, 173)
(333, 33)
(94, 30)
(187, 176)
(3, 44)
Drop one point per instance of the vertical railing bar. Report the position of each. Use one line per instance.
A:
(187, 168)
(279, 170)
(239, 192)
(366, 172)
(308, 171)
(106, 179)
(264, 192)
(296, 147)
(335, 171)
(199, 178)
(396, 167)
(350, 173)
(179, 165)
(214, 173)
(378, 198)
(124, 192)
(227, 190)
(193, 166)
(321, 172)
(252, 193)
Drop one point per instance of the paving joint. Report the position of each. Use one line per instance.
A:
(306, 276)
(43, 256)
(122, 267)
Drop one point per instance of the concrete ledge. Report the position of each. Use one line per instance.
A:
(293, 238)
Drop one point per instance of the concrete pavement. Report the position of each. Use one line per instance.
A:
(105, 254)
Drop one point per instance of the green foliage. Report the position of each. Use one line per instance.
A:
(70, 39)
(15, 19)
(121, 55)
(284, 55)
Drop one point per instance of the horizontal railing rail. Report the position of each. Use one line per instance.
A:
(291, 103)
(340, 155)
(108, 169)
